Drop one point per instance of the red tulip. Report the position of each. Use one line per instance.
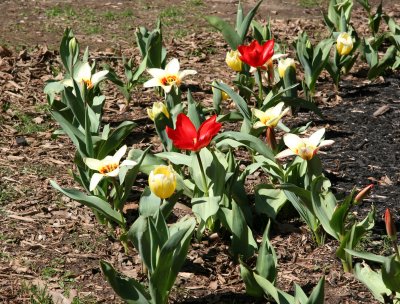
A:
(257, 55)
(390, 226)
(186, 137)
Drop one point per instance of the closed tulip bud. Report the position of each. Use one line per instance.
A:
(162, 181)
(72, 46)
(224, 96)
(284, 64)
(390, 226)
(344, 44)
(233, 61)
(363, 194)
(158, 108)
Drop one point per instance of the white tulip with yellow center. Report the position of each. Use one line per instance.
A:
(169, 77)
(233, 61)
(83, 75)
(158, 108)
(344, 44)
(109, 166)
(306, 148)
(271, 117)
(162, 181)
(284, 64)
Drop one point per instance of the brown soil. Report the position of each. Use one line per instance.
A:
(49, 241)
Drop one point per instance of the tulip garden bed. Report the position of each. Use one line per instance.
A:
(51, 246)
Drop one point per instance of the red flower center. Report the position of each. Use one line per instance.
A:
(108, 168)
(170, 80)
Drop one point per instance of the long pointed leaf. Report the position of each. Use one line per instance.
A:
(130, 290)
(231, 37)
(92, 202)
(244, 27)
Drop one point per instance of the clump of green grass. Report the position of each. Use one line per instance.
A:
(311, 3)
(36, 294)
(60, 11)
(196, 2)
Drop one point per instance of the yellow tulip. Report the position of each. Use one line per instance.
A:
(344, 44)
(284, 64)
(233, 61)
(158, 108)
(162, 181)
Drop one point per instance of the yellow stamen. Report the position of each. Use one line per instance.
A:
(88, 83)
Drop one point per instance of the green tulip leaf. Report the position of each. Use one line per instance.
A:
(231, 37)
(92, 202)
(130, 290)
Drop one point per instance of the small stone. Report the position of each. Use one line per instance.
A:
(21, 141)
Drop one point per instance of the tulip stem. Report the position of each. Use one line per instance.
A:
(203, 175)
(271, 139)
(260, 87)
(396, 250)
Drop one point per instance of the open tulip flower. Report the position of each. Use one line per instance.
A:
(186, 137)
(109, 166)
(306, 148)
(271, 117)
(162, 181)
(169, 77)
(84, 76)
(255, 54)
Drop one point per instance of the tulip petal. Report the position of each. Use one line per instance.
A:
(167, 89)
(292, 141)
(325, 143)
(258, 124)
(99, 76)
(154, 82)
(96, 178)
(207, 131)
(267, 50)
(316, 137)
(172, 67)
(68, 82)
(84, 72)
(279, 56)
(93, 163)
(119, 154)
(156, 73)
(284, 153)
(276, 111)
(185, 73)
(184, 134)
(113, 173)
(258, 113)
(128, 162)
